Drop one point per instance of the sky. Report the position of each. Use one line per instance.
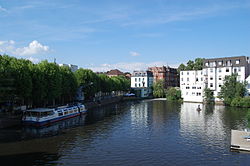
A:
(124, 34)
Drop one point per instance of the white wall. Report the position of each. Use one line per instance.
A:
(191, 85)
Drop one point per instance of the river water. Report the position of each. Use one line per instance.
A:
(149, 132)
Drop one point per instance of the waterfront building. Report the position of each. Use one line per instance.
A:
(142, 82)
(192, 85)
(211, 76)
(168, 74)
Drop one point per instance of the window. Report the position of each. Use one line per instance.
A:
(187, 79)
(201, 79)
(139, 85)
(182, 73)
(135, 84)
(187, 87)
(193, 87)
(187, 73)
(211, 70)
(181, 79)
(139, 79)
(237, 62)
(220, 63)
(219, 70)
(235, 70)
(197, 79)
(239, 69)
(211, 85)
(219, 85)
(211, 78)
(186, 93)
(220, 78)
(135, 79)
(198, 94)
(227, 69)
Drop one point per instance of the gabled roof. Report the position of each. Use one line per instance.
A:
(115, 72)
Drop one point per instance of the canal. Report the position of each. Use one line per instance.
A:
(149, 132)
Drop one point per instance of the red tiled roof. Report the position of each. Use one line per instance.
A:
(115, 72)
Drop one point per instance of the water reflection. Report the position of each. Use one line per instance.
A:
(131, 133)
(139, 114)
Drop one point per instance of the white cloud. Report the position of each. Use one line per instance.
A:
(133, 53)
(34, 48)
(128, 66)
(3, 9)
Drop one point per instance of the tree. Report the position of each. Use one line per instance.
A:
(232, 89)
(208, 95)
(158, 89)
(69, 84)
(190, 65)
(88, 79)
(173, 94)
(198, 64)
(52, 79)
(181, 68)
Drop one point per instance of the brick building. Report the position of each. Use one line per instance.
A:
(168, 74)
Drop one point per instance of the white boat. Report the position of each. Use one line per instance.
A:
(45, 116)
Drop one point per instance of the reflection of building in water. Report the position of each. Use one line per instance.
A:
(139, 114)
(207, 124)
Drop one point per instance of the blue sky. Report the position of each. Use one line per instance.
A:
(124, 34)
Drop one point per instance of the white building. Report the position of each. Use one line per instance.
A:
(142, 82)
(212, 76)
(192, 85)
(73, 68)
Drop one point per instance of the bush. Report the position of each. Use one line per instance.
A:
(173, 94)
(241, 102)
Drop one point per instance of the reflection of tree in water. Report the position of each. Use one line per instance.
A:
(235, 117)
(209, 108)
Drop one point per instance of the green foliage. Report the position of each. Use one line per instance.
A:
(241, 102)
(181, 68)
(208, 95)
(45, 83)
(173, 94)
(232, 89)
(93, 83)
(197, 64)
(88, 79)
(158, 89)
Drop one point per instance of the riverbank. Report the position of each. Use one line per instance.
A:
(10, 120)
(112, 100)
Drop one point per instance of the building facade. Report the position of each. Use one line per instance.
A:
(192, 85)
(168, 74)
(142, 82)
(212, 76)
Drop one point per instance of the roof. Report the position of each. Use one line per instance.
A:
(40, 110)
(115, 72)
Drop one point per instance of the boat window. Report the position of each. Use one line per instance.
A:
(60, 114)
(66, 112)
